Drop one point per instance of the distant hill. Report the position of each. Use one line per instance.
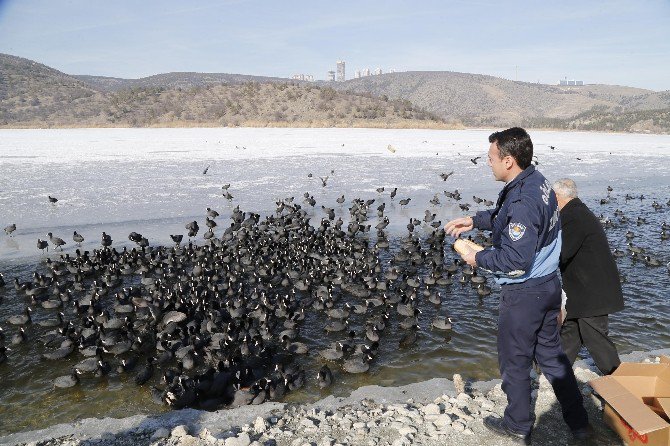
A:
(478, 100)
(34, 95)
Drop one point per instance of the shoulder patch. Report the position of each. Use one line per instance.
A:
(516, 231)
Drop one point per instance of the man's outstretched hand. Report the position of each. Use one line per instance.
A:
(458, 226)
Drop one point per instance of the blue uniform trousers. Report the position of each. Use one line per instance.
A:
(527, 329)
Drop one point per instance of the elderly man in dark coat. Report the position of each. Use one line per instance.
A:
(590, 281)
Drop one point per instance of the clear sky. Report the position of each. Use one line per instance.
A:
(608, 41)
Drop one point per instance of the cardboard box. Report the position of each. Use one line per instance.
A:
(637, 397)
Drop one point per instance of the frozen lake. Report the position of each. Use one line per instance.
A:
(151, 181)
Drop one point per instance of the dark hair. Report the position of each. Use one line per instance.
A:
(516, 143)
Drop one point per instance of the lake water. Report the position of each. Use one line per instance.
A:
(151, 181)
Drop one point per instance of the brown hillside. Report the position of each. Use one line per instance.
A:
(34, 95)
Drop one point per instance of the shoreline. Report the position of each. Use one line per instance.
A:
(430, 412)
(425, 125)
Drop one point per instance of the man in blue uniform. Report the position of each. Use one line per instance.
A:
(525, 231)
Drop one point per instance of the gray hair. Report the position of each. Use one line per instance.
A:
(565, 188)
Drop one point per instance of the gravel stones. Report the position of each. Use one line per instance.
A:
(451, 419)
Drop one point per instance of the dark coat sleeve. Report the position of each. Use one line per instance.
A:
(572, 237)
(482, 220)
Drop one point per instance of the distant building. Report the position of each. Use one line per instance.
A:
(303, 77)
(365, 72)
(340, 71)
(392, 70)
(331, 76)
(570, 83)
(378, 71)
(357, 74)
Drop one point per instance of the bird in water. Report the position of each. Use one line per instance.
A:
(204, 172)
(442, 323)
(357, 364)
(67, 381)
(410, 338)
(53, 200)
(145, 373)
(42, 245)
(106, 239)
(21, 319)
(56, 241)
(10, 228)
(77, 238)
(324, 377)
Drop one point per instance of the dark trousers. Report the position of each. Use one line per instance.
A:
(591, 332)
(527, 329)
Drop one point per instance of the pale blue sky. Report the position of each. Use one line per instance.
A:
(610, 42)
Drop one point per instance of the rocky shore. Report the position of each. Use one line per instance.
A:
(434, 412)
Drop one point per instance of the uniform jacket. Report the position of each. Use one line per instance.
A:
(525, 230)
(590, 275)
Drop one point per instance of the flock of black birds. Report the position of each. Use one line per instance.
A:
(218, 324)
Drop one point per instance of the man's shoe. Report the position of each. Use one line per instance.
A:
(497, 425)
(582, 435)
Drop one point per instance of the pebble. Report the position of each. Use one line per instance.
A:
(405, 430)
(179, 431)
(463, 398)
(431, 409)
(307, 423)
(241, 440)
(260, 425)
(487, 405)
(461, 414)
(459, 384)
(326, 441)
(442, 420)
(162, 432)
(458, 426)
